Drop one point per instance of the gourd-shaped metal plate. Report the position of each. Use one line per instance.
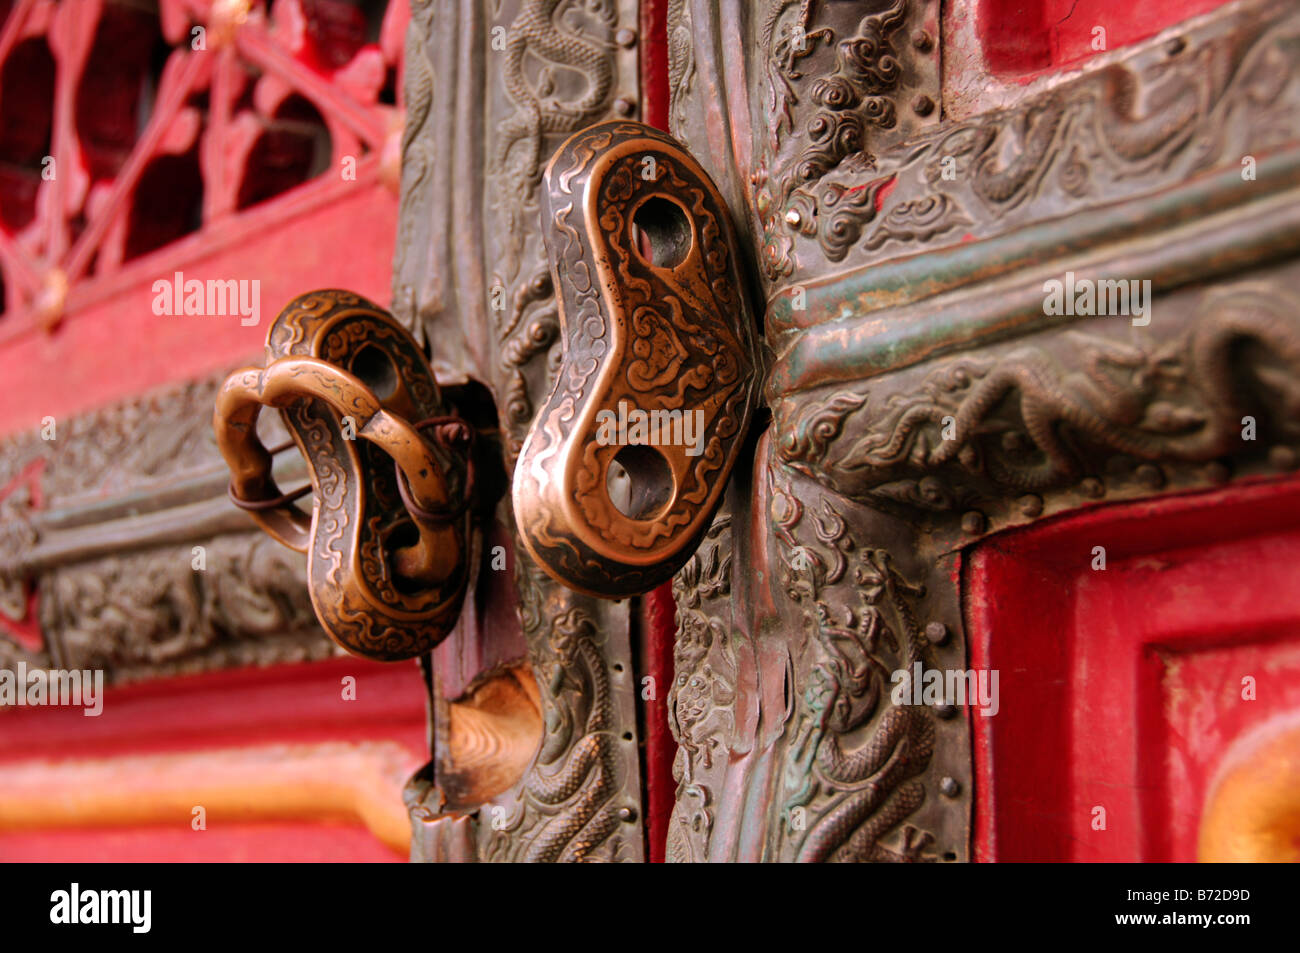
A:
(659, 367)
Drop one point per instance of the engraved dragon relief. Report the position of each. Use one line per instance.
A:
(547, 105)
(703, 694)
(681, 64)
(1036, 417)
(539, 30)
(1164, 114)
(418, 157)
(17, 537)
(567, 807)
(142, 614)
(554, 74)
(856, 763)
(530, 330)
(571, 39)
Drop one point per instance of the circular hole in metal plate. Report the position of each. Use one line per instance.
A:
(375, 369)
(639, 481)
(662, 232)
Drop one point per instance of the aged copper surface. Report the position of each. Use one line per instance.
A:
(921, 402)
(659, 333)
(491, 92)
(386, 540)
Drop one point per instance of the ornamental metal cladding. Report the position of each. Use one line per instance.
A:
(872, 301)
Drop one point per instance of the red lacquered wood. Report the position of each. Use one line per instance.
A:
(658, 627)
(658, 616)
(112, 346)
(1022, 37)
(299, 703)
(1122, 688)
(282, 842)
(654, 63)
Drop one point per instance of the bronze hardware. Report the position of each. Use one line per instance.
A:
(657, 332)
(388, 535)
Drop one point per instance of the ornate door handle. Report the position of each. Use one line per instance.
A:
(659, 369)
(388, 535)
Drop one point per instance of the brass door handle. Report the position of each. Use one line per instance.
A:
(388, 536)
(659, 370)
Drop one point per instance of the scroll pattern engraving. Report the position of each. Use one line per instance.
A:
(700, 704)
(568, 806)
(677, 340)
(313, 348)
(1161, 116)
(848, 802)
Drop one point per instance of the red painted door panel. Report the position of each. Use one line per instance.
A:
(1127, 689)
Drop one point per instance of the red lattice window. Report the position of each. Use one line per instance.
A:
(140, 139)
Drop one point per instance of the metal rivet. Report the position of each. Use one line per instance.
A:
(1093, 487)
(937, 633)
(922, 40)
(1031, 504)
(1175, 46)
(625, 38)
(1150, 476)
(627, 814)
(624, 106)
(1282, 458)
(945, 711)
(923, 105)
(973, 523)
(949, 787)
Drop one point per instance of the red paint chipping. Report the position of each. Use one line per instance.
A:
(885, 189)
